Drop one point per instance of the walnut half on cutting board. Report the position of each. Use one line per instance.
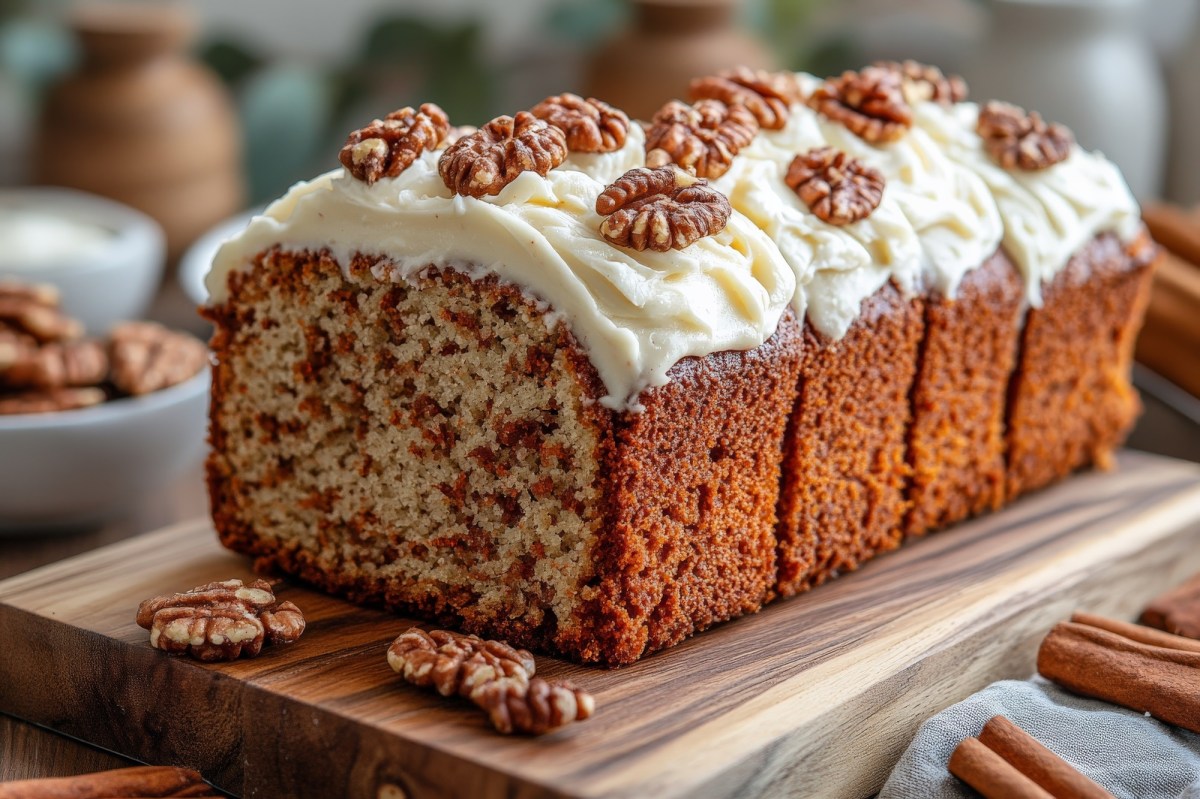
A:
(220, 621)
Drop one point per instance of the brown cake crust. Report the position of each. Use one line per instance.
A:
(956, 441)
(685, 493)
(845, 471)
(1071, 401)
(692, 483)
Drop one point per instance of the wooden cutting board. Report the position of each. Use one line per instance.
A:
(814, 696)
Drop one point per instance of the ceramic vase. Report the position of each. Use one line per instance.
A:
(1087, 64)
(141, 123)
(668, 43)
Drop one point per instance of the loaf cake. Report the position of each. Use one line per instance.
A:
(592, 386)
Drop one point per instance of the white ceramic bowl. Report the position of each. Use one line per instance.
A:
(107, 283)
(72, 469)
(195, 263)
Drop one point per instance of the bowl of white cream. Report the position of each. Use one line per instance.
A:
(105, 258)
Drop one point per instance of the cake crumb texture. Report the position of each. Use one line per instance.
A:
(417, 445)
(1071, 401)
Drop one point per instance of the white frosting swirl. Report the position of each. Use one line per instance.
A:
(949, 207)
(836, 267)
(635, 313)
(937, 220)
(946, 207)
(1048, 214)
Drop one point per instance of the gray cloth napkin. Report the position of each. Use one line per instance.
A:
(1128, 753)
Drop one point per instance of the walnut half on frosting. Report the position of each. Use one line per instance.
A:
(388, 146)
(484, 162)
(767, 95)
(661, 209)
(838, 189)
(870, 103)
(1019, 140)
(701, 138)
(590, 126)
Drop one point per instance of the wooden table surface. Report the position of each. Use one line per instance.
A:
(28, 751)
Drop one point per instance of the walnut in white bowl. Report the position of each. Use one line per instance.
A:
(89, 424)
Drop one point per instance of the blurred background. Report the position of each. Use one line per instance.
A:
(299, 75)
(196, 112)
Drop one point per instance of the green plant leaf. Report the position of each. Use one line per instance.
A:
(585, 21)
(399, 39)
(231, 60)
(285, 109)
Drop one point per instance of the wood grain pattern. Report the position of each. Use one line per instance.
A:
(814, 696)
(25, 751)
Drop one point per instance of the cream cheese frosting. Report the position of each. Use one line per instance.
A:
(1048, 214)
(836, 268)
(946, 207)
(636, 314)
(937, 220)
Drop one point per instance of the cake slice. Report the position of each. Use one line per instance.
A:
(956, 443)
(1074, 232)
(972, 293)
(1072, 403)
(844, 470)
(898, 427)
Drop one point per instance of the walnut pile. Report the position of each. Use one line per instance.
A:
(31, 310)
(493, 675)
(701, 138)
(660, 209)
(767, 95)
(147, 357)
(47, 365)
(1018, 140)
(837, 188)
(220, 621)
(484, 162)
(870, 103)
(927, 82)
(590, 126)
(388, 146)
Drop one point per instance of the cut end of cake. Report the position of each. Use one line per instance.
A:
(419, 444)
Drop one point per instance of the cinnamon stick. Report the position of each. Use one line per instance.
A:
(1177, 611)
(124, 783)
(1175, 228)
(990, 774)
(1025, 753)
(1170, 338)
(1138, 632)
(1160, 680)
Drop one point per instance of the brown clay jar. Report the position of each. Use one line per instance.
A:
(142, 124)
(668, 43)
